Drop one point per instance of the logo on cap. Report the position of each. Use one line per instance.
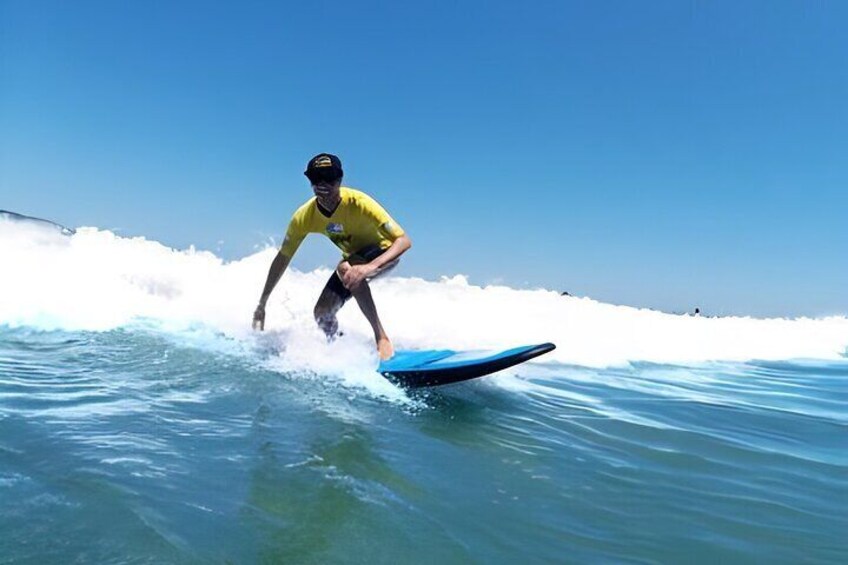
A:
(322, 161)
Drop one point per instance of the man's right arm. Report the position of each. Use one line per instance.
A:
(278, 267)
(297, 230)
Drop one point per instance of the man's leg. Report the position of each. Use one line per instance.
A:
(332, 298)
(366, 303)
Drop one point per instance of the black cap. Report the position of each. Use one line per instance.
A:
(324, 166)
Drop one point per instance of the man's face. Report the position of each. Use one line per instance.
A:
(324, 189)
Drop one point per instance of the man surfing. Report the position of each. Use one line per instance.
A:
(370, 240)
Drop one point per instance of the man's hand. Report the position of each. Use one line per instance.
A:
(259, 318)
(353, 276)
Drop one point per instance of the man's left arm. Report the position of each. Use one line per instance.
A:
(353, 276)
(399, 246)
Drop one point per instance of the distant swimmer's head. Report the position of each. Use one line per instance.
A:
(324, 168)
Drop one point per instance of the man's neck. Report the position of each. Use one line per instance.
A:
(328, 207)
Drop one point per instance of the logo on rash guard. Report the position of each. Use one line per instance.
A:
(335, 228)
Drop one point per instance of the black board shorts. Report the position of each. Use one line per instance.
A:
(364, 255)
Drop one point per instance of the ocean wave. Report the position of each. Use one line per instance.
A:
(96, 280)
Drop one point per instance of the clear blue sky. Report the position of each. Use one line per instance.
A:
(661, 154)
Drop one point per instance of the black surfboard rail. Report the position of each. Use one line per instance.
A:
(424, 376)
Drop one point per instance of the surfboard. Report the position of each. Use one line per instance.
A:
(414, 369)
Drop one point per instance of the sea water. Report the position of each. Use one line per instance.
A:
(141, 420)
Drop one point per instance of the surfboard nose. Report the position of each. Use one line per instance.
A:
(415, 369)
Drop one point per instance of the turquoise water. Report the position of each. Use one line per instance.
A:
(134, 445)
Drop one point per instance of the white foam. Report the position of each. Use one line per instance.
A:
(96, 280)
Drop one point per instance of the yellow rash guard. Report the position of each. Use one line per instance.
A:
(357, 222)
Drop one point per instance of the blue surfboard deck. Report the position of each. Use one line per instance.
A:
(414, 369)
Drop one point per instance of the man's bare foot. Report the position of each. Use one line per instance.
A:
(385, 348)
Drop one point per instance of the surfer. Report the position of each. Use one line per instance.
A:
(370, 240)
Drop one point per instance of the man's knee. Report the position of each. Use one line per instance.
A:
(342, 268)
